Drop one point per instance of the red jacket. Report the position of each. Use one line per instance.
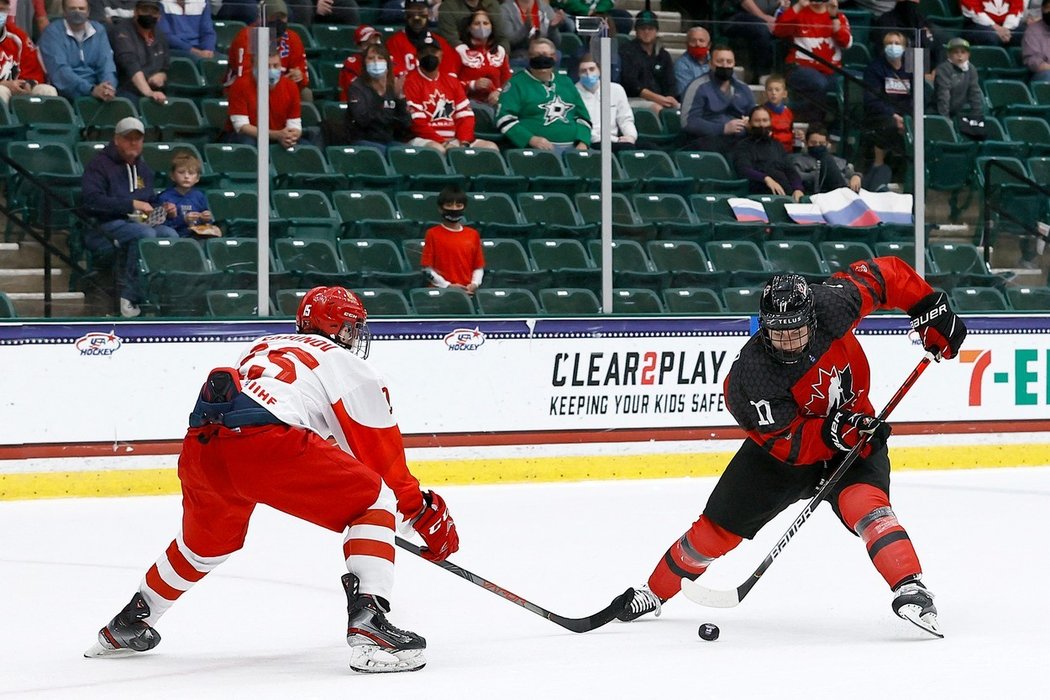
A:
(19, 56)
(812, 30)
(475, 64)
(439, 108)
(1004, 13)
(781, 127)
(285, 103)
(403, 54)
(290, 46)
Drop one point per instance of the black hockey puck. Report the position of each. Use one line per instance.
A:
(708, 632)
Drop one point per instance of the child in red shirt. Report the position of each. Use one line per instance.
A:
(779, 113)
(452, 255)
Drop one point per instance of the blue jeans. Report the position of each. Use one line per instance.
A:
(127, 234)
(1042, 76)
(809, 88)
(755, 33)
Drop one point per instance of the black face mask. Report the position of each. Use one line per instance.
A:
(760, 132)
(722, 73)
(429, 63)
(541, 62)
(818, 152)
(1046, 18)
(453, 216)
(147, 21)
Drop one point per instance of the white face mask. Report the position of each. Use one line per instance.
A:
(964, 66)
(3, 21)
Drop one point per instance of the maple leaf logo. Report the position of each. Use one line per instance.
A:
(997, 7)
(833, 389)
(826, 50)
(438, 107)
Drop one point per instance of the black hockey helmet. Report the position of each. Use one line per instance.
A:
(786, 309)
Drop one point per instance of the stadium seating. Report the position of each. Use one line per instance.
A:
(384, 302)
(508, 302)
(977, 299)
(1029, 298)
(449, 301)
(224, 303)
(692, 300)
(569, 302)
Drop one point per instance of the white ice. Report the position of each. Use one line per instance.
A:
(270, 622)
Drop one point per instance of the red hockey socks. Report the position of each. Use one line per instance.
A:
(866, 510)
(690, 556)
(174, 573)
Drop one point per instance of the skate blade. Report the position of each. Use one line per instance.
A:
(372, 659)
(927, 622)
(101, 651)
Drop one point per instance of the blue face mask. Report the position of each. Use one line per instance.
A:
(893, 51)
(275, 75)
(376, 68)
(590, 81)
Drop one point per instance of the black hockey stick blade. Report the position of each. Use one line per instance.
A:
(573, 624)
(712, 598)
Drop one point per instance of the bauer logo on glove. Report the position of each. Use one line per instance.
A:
(940, 331)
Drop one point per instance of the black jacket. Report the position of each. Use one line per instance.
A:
(755, 158)
(374, 117)
(640, 71)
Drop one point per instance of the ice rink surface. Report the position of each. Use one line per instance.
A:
(270, 622)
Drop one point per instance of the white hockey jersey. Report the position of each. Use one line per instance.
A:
(311, 382)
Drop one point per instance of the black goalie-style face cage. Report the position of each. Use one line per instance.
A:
(787, 318)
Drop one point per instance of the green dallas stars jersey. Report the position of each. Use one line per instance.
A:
(529, 107)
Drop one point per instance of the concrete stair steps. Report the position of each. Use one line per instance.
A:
(30, 279)
(63, 304)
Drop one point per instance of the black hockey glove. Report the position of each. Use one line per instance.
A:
(844, 429)
(939, 329)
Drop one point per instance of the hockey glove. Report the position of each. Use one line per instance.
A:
(939, 329)
(437, 528)
(844, 429)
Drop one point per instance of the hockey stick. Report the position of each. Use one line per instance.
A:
(573, 624)
(731, 598)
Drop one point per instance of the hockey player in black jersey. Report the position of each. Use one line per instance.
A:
(800, 390)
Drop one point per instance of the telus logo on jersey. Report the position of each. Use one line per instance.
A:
(465, 339)
(98, 343)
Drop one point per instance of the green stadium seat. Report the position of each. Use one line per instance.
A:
(959, 258)
(307, 255)
(677, 256)
(185, 80)
(413, 250)
(288, 301)
(177, 119)
(671, 121)
(997, 142)
(46, 118)
(10, 129)
(799, 257)
(1029, 298)
(569, 302)
(225, 303)
(172, 255)
(100, 117)
(711, 172)
(939, 129)
(505, 254)
(626, 223)
(304, 167)
(692, 300)
(309, 214)
(656, 172)
(905, 250)
(485, 170)
(450, 301)
(841, 254)
(365, 168)
(158, 158)
(1015, 206)
(673, 217)
(7, 307)
(587, 167)
(553, 215)
(557, 254)
(1033, 131)
(736, 256)
(424, 168)
(181, 294)
(542, 170)
(742, 300)
(628, 256)
(994, 64)
(236, 254)
(236, 165)
(1040, 92)
(494, 214)
(1002, 96)
(336, 41)
(976, 299)
(236, 213)
(225, 32)
(1039, 168)
(651, 129)
(384, 302)
(214, 71)
(371, 255)
(507, 302)
(421, 206)
(53, 163)
(636, 301)
(371, 214)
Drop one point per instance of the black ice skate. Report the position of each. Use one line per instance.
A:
(376, 646)
(643, 603)
(914, 603)
(126, 633)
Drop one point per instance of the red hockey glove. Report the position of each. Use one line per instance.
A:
(437, 528)
(844, 429)
(939, 329)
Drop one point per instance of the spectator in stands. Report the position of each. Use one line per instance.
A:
(818, 27)
(438, 105)
(818, 168)
(110, 12)
(696, 60)
(246, 11)
(1036, 47)
(290, 47)
(192, 216)
(20, 69)
(623, 133)
(403, 46)
(527, 20)
(762, 161)
(310, 12)
(286, 123)
(140, 52)
(77, 55)
(188, 26)
(484, 65)
(957, 89)
(783, 119)
(886, 101)
(715, 106)
(540, 108)
(618, 21)
(376, 115)
(28, 14)
(993, 23)
(646, 69)
(452, 254)
(117, 188)
(354, 65)
(456, 14)
(752, 25)
(904, 16)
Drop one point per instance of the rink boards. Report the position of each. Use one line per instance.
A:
(100, 409)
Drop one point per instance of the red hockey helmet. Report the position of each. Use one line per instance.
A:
(338, 314)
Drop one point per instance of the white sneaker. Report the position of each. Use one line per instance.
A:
(127, 309)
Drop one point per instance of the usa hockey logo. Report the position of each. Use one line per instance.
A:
(98, 344)
(463, 339)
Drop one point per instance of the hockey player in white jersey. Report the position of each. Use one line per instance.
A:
(258, 434)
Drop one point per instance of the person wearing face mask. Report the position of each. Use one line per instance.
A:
(452, 253)
(623, 132)
(956, 85)
(886, 101)
(354, 64)
(993, 23)
(762, 161)
(818, 27)
(77, 55)
(752, 26)
(906, 17)
(288, 41)
(286, 123)
(404, 46)
(441, 114)
(141, 53)
(20, 69)
(1035, 49)
(647, 72)
(484, 65)
(818, 168)
(695, 61)
(455, 14)
(715, 106)
(376, 115)
(188, 26)
(540, 108)
(526, 20)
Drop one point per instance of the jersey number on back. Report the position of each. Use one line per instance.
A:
(278, 358)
